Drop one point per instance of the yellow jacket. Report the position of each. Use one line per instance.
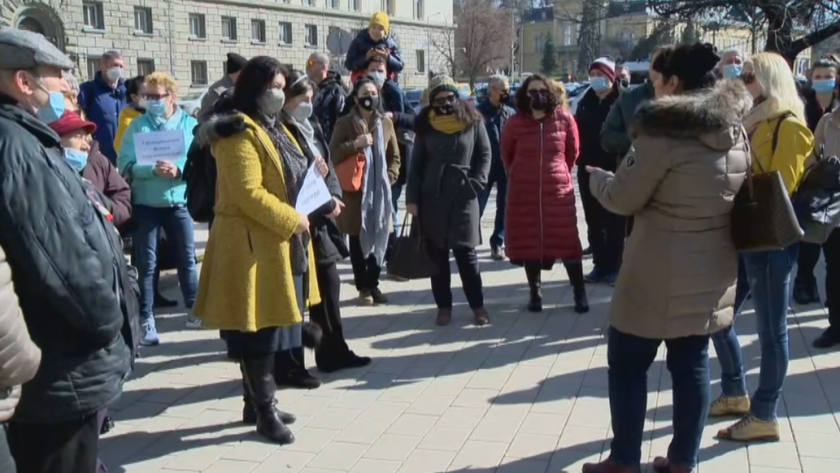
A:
(793, 147)
(246, 279)
(127, 116)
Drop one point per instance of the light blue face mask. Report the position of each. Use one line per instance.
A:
(825, 86)
(378, 78)
(600, 84)
(54, 110)
(156, 108)
(77, 159)
(732, 71)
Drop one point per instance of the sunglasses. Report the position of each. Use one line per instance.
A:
(748, 78)
(538, 92)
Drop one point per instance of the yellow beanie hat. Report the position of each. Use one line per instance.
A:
(381, 19)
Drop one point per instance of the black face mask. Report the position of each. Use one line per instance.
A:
(447, 109)
(369, 103)
(539, 102)
(625, 83)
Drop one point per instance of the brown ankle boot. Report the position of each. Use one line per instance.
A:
(608, 466)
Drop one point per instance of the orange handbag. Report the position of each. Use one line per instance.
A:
(351, 171)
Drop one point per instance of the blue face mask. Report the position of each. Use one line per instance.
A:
(825, 86)
(77, 159)
(600, 84)
(54, 110)
(156, 108)
(378, 78)
(732, 71)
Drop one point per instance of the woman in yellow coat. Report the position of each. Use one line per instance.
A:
(258, 269)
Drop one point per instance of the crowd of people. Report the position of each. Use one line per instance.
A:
(87, 222)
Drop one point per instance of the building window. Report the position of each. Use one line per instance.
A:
(285, 32)
(198, 72)
(333, 4)
(92, 66)
(389, 6)
(94, 15)
(258, 31)
(356, 5)
(568, 33)
(418, 9)
(228, 28)
(312, 35)
(143, 20)
(145, 66)
(421, 61)
(310, 3)
(198, 26)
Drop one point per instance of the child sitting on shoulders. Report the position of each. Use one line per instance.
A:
(374, 41)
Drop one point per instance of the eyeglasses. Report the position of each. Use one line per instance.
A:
(447, 100)
(155, 96)
(748, 78)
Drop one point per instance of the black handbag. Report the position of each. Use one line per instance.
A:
(762, 216)
(817, 201)
(410, 258)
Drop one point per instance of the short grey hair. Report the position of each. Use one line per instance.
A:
(498, 81)
(109, 55)
(733, 52)
(70, 79)
(319, 58)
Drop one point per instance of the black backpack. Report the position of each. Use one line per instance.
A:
(200, 176)
(817, 201)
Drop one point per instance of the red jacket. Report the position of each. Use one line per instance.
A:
(105, 177)
(541, 222)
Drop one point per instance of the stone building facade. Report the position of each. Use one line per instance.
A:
(190, 38)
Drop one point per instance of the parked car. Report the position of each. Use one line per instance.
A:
(576, 94)
(191, 103)
(413, 97)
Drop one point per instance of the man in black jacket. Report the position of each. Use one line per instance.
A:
(605, 230)
(67, 271)
(330, 97)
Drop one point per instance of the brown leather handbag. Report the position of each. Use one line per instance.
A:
(351, 171)
(763, 218)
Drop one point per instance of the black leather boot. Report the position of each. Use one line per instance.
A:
(535, 284)
(290, 370)
(259, 374)
(249, 410)
(575, 273)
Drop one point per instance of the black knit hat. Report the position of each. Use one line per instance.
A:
(235, 63)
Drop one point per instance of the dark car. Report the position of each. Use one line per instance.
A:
(413, 97)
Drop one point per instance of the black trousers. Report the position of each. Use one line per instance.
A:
(809, 255)
(327, 314)
(605, 230)
(831, 251)
(365, 270)
(467, 261)
(63, 447)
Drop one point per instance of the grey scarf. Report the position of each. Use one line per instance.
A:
(295, 166)
(377, 209)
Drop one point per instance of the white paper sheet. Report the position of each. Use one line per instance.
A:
(157, 146)
(313, 193)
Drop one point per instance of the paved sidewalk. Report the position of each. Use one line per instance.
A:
(526, 394)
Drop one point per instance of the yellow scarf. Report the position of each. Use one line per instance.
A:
(448, 124)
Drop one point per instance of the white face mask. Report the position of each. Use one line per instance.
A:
(114, 74)
(378, 78)
(302, 112)
(272, 102)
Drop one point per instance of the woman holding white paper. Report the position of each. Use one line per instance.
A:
(327, 240)
(158, 195)
(258, 274)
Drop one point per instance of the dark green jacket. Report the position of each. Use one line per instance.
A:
(615, 133)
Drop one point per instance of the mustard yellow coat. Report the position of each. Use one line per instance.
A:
(246, 279)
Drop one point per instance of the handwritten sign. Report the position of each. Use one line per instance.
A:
(159, 146)
(313, 193)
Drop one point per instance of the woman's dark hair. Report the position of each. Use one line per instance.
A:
(825, 63)
(556, 95)
(132, 86)
(297, 83)
(692, 64)
(254, 79)
(465, 112)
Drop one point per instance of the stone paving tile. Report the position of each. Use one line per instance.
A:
(527, 394)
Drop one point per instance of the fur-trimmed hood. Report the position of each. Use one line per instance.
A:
(712, 116)
(219, 126)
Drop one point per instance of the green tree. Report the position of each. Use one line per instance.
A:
(549, 59)
(589, 35)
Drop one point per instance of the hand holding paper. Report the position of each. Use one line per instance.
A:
(313, 193)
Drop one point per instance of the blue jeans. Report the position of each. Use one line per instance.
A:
(768, 279)
(396, 192)
(497, 239)
(178, 225)
(629, 358)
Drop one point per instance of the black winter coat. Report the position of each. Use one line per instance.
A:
(67, 275)
(327, 240)
(590, 116)
(329, 103)
(813, 111)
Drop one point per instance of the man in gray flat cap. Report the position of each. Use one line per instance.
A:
(67, 268)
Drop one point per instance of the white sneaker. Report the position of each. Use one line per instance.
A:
(194, 323)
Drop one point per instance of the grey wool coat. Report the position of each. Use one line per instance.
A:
(688, 160)
(447, 173)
